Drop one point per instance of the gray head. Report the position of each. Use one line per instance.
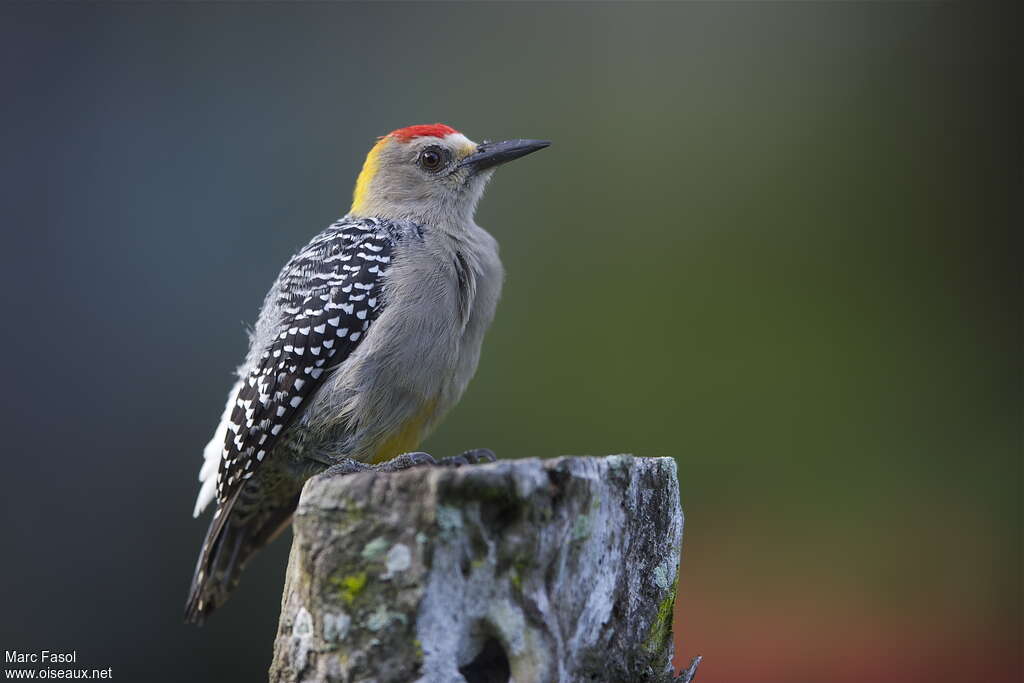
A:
(431, 174)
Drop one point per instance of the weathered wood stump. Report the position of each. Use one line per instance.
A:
(521, 570)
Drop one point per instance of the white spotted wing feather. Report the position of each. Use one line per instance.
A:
(326, 298)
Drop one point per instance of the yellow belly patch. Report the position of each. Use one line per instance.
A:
(407, 438)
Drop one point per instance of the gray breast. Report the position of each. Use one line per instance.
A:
(421, 352)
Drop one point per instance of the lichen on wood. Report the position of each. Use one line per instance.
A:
(522, 570)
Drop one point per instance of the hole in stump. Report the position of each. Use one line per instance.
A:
(490, 666)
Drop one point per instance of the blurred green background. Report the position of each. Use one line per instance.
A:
(778, 242)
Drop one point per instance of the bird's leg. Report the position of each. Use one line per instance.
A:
(406, 460)
(396, 464)
(345, 466)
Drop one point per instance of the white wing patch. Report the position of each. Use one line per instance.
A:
(212, 454)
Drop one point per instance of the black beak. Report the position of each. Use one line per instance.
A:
(493, 153)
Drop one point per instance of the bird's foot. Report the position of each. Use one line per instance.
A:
(401, 462)
(345, 466)
(407, 460)
(473, 456)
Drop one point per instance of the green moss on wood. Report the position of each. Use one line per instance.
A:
(659, 634)
(349, 587)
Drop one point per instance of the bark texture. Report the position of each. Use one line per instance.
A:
(520, 570)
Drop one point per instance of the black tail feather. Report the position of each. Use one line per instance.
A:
(230, 542)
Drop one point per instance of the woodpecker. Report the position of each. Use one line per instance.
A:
(369, 335)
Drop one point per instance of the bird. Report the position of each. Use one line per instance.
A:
(367, 338)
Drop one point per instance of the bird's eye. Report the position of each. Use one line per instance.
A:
(432, 158)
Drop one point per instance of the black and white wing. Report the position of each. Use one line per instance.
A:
(329, 294)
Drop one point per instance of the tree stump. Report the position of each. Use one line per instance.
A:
(520, 570)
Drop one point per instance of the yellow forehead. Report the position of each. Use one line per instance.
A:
(370, 168)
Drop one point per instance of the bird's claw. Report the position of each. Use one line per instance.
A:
(473, 456)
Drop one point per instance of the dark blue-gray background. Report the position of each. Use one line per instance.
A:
(773, 241)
